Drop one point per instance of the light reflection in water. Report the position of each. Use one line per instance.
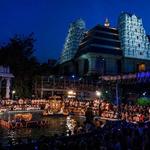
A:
(58, 125)
(71, 123)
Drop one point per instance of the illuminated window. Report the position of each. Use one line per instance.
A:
(141, 67)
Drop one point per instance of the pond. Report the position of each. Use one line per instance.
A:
(58, 125)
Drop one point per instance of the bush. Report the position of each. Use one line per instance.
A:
(143, 101)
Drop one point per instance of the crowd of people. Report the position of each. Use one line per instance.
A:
(103, 109)
(135, 113)
(118, 135)
(130, 128)
(21, 105)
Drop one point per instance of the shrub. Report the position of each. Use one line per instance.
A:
(143, 101)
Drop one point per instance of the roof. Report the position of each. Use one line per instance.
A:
(100, 50)
(6, 75)
(130, 14)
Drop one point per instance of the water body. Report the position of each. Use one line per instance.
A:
(57, 126)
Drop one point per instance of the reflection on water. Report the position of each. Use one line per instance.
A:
(57, 125)
(71, 123)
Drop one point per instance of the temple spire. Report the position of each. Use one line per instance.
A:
(106, 24)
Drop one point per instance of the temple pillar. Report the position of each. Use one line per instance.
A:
(8, 88)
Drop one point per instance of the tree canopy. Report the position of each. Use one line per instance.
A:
(18, 55)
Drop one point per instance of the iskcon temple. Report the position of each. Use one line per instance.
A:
(105, 50)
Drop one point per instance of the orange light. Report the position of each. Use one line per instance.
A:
(142, 67)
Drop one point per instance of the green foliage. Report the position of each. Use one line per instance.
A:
(18, 55)
(143, 101)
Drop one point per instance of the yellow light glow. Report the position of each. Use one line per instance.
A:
(98, 93)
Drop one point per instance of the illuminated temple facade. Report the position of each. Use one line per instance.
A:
(135, 43)
(73, 39)
(105, 50)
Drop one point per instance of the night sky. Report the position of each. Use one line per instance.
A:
(49, 19)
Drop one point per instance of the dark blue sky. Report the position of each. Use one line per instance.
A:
(49, 19)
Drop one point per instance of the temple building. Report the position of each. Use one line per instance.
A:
(99, 51)
(105, 50)
(135, 43)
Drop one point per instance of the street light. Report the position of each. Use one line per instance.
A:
(73, 76)
(13, 93)
(144, 94)
(98, 93)
(70, 92)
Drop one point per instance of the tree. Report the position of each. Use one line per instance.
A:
(18, 55)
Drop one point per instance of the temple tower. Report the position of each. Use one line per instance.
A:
(75, 35)
(134, 41)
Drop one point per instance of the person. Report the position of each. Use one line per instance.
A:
(89, 115)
